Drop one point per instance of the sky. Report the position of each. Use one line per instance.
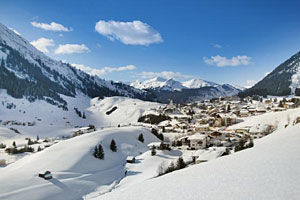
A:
(233, 41)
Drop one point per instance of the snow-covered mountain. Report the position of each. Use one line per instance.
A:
(158, 83)
(283, 80)
(188, 91)
(27, 72)
(198, 83)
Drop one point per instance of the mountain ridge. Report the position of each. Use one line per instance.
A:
(282, 81)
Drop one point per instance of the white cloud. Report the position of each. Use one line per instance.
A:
(250, 83)
(71, 48)
(165, 74)
(221, 61)
(132, 33)
(105, 70)
(217, 46)
(42, 44)
(51, 27)
(15, 31)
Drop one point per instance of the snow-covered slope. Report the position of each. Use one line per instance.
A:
(76, 172)
(198, 83)
(127, 110)
(51, 121)
(158, 83)
(270, 170)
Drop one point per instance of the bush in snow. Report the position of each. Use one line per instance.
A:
(141, 138)
(113, 145)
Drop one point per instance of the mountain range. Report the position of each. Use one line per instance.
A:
(188, 91)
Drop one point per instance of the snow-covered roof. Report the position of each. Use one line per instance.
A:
(197, 136)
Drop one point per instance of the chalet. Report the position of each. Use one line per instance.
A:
(83, 130)
(224, 119)
(130, 159)
(261, 110)
(244, 113)
(202, 127)
(244, 130)
(46, 175)
(184, 140)
(197, 141)
(216, 138)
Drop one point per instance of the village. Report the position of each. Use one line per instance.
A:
(204, 128)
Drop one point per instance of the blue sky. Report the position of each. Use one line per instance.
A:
(230, 41)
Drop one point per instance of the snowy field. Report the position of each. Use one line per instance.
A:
(270, 170)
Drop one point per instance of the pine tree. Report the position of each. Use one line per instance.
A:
(39, 149)
(180, 163)
(83, 115)
(141, 138)
(14, 144)
(153, 150)
(95, 152)
(37, 138)
(113, 145)
(100, 152)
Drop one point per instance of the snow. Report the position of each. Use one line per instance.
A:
(269, 170)
(171, 85)
(75, 171)
(128, 110)
(160, 83)
(198, 83)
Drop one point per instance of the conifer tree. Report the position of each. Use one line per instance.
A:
(180, 163)
(100, 152)
(113, 145)
(153, 150)
(39, 149)
(141, 138)
(95, 152)
(14, 144)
